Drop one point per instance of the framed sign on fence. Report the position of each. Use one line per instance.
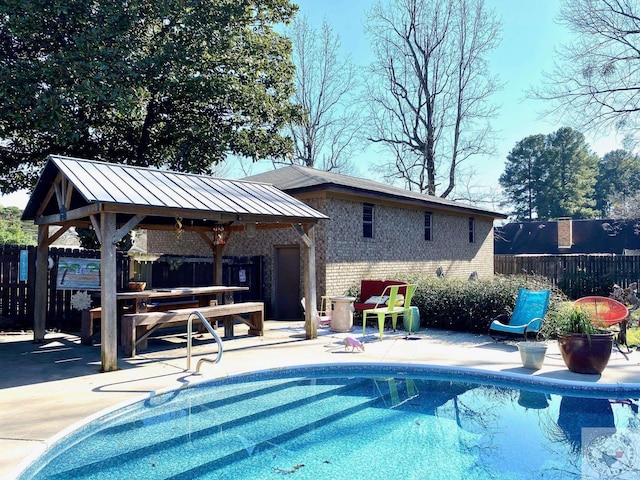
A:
(78, 273)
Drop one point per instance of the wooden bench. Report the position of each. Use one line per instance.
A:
(89, 317)
(88, 324)
(136, 327)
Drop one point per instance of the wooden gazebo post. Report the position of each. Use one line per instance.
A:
(216, 245)
(41, 289)
(306, 233)
(217, 265)
(108, 275)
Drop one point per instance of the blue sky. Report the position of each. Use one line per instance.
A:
(530, 35)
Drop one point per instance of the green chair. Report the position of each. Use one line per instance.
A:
(394, 306)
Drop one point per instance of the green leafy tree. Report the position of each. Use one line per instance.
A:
(164, 83)
(12, 230)
(521, 174)
(617, 183)
(551, 176)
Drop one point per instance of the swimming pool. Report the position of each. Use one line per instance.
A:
(356, 422)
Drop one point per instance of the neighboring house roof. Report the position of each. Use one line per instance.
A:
(159, 192)
(588, 237)
(67, 239)
(295, 179)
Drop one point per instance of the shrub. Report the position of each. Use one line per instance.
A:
(469, 306)
(633, 337)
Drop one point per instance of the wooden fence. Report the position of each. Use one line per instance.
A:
(576, 275)
(17, 282)
(17, 287)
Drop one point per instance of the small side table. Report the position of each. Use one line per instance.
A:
(342, 314)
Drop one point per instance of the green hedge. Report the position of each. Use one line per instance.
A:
(469, 306)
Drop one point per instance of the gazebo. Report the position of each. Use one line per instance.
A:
(114, 199)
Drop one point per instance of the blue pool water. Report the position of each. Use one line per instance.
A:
(355, 422)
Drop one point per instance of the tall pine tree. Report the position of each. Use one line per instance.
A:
(567, 189)
(521, 174)
(551, 176)
(619, 178)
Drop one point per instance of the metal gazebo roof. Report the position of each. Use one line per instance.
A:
(158, 194)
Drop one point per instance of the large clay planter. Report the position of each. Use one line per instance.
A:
(586, 353)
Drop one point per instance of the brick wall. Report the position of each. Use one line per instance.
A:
(343, 256)
(399, 247)
(168, 243)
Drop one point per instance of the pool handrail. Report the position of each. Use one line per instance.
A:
(211, 331)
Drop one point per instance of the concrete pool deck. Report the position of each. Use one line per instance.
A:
(46, 388)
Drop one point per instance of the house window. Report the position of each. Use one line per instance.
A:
(367, 220)
(427, 226)
(472, 230)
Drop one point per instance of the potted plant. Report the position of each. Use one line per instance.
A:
(585, 348)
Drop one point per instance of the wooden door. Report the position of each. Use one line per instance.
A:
(286, 289)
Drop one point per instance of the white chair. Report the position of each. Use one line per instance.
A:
(324, 315)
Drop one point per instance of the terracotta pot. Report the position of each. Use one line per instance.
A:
(137, 286)
(585, 353)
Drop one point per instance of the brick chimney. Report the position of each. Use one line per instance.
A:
(565, 232)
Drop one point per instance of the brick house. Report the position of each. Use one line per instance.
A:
(374, 231)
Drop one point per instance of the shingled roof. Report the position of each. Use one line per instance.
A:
(603, 236)
(295, 179)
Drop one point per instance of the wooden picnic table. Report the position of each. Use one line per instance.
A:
(143, 301)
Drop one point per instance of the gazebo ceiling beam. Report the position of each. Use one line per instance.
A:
(47, 197)
(93, 221)
(126, 228)
(162, 212)
(54, 236)
(75, 214)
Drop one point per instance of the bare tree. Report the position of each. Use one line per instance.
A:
(430, 87)
(325, 87)
(595, 83)
(624, 206)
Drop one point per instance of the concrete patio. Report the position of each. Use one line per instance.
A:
(46, 388)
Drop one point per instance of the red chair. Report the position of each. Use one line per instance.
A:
(606, 312)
